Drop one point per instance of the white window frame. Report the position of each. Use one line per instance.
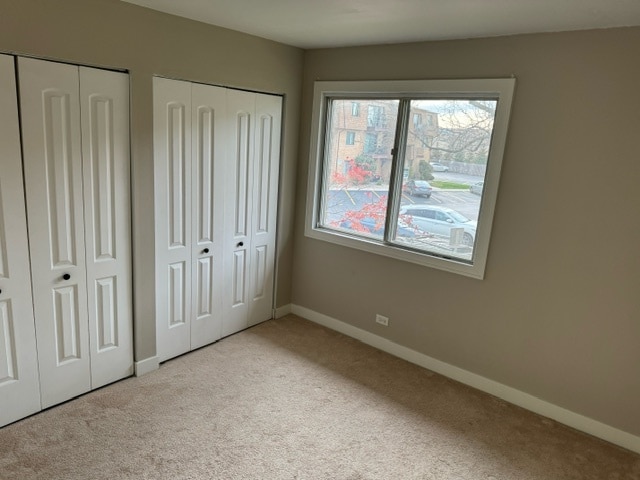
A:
(500, 89)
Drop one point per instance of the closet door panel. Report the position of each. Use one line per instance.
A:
(104, 98)
(209, 116)
(173, 212)
(50, 115)
(238, 209)
(264, 206)
(19, 383)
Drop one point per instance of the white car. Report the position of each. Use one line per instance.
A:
(477, 188)
(439, 221)
(438, 167)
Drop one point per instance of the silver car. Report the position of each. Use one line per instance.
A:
(477, 188)
(438, 167)
(439, 221)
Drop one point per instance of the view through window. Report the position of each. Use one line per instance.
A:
(443, 168)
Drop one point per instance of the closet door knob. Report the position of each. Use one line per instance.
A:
(240, 244)
(0, 290)
(66, 276)
(206, 250)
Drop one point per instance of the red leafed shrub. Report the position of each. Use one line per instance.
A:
(356, 175)
(371, 212)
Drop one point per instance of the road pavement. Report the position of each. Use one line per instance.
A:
(341, 201)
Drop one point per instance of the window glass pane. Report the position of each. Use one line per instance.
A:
(356, 185)
(442, 193)
(351, 138)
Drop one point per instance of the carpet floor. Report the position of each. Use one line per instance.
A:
(289, 399)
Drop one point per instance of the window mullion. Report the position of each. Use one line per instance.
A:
(397, 165)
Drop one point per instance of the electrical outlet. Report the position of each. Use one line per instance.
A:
(382, 320)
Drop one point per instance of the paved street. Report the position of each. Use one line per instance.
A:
(341, 201)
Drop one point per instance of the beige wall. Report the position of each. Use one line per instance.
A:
(114, 34)
(557, 315)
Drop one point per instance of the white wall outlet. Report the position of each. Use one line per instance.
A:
(382, 320)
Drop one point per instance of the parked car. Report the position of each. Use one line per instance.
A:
(477, 188)
(418, 187)
(438, 167)
(439, 221)
(376, 227)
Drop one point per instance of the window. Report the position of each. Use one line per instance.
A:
(351, 138)
(370, 142)
(355, 109)
(375, 117)
(431, 120)
(381, 199)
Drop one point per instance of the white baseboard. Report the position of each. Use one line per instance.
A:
(147, 365)
(509, 394)
(282, 311)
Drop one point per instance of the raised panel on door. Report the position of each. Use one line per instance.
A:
(265, 166)
(208, 119)
(238, 209)
(173, 215)
(50, 113)
(104, 98)
(19, 383)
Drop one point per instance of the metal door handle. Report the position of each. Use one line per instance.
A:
(66, 276)
(206, 250)
(240, 244)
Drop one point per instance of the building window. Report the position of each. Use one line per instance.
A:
(376, 117)
(381, 201)
(355, 109)
(417, 120)
(370, 143)
(430, 121)
(351, 138)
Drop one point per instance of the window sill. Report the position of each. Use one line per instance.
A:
(445, 263)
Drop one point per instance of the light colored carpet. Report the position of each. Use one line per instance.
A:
(291, 400)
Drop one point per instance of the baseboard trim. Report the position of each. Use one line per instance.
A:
(282, 311)
(147, 365)
(509, 394)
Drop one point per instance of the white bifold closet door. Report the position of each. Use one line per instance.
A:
(252, 166)
(19, 383)
(216, 178)
(188, 142)
(76, 162)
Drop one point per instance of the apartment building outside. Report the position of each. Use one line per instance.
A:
(362, 134)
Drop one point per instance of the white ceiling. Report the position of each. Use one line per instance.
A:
(334, 23)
